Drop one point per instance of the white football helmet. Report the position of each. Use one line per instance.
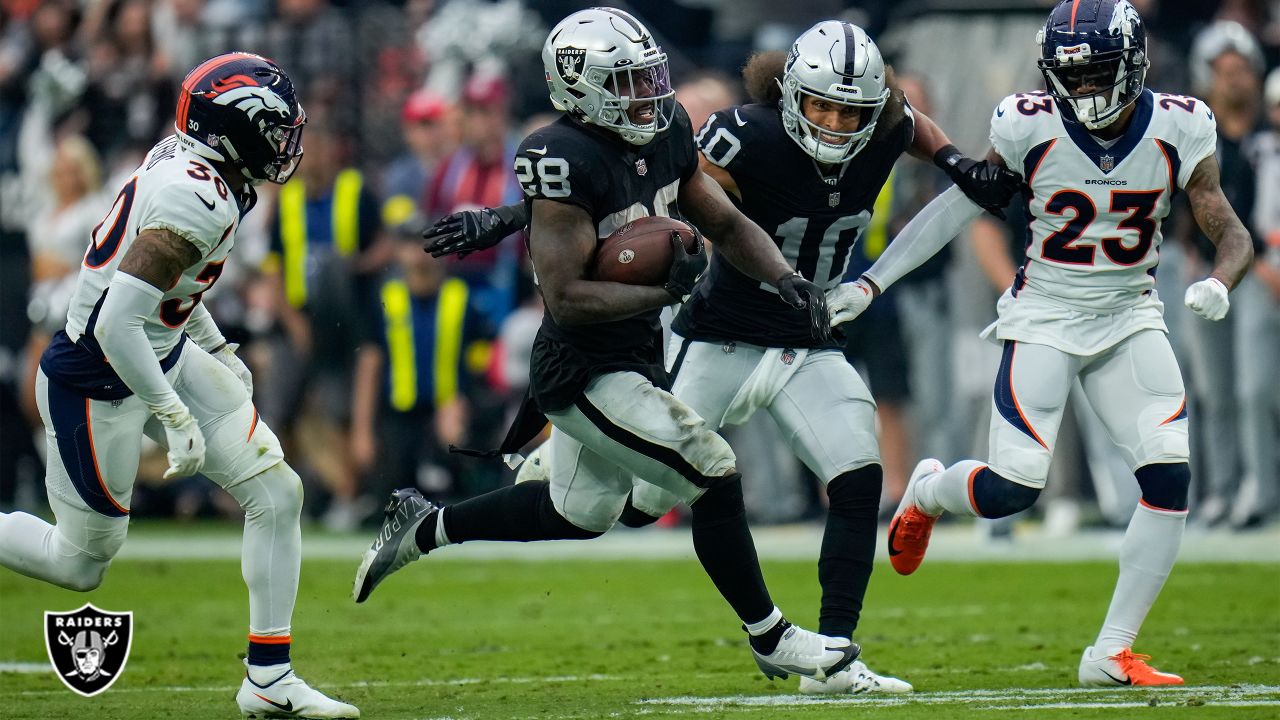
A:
(601, 62)
(838, 62)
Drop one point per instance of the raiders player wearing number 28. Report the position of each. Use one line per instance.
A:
(806, 163)
(1102, 156)
(623, 150)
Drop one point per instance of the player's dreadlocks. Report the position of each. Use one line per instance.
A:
(763, 74)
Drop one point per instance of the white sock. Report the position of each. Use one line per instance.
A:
(947, 490)
(33, 547)
(1146, 556)
(441, 538)
(765, 625)
(266, 674)
(271, 550)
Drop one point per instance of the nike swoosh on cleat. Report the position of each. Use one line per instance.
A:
(1126, 681)
(206, 202)
(287, 707)
(893, 533)
(538, 151)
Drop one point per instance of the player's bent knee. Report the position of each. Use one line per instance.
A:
(276, 490)
(634, 517)
(856, 491)
(1165, 486)
(995, 496)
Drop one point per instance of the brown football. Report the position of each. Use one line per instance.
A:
(639, 253)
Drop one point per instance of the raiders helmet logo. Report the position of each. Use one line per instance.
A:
(569, 63)
(88, 647)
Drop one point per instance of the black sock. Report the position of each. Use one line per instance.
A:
(519, 513)
(767, 642)
(634, 517)
(848, 549)
(425, 535)
(724, 547)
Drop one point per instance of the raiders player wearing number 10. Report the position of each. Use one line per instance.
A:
(806, 163)
(623, 150)
(1102, 156)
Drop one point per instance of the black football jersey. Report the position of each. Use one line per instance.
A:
(814, 222)
(615, 182)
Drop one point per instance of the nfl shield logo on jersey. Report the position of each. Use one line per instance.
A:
(788, 356)
(1106, 162)
(642, 167)
(88, 647)
(833, 199)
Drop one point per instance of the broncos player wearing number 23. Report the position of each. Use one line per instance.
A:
(1102, 156)
(142, 355)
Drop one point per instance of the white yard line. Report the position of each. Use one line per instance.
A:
(954, 543)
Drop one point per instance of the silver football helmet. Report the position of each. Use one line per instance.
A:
(838, 62)
(601, 63)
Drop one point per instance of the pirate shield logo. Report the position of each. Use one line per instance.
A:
(569, 63)
(88, 647)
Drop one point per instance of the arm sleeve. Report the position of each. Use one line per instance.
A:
(202, 329)
(120, 333)
(927, 233)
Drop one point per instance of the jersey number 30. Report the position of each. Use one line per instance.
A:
(1061, 246)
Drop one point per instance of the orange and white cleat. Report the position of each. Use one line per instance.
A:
(911, 527)
(1125, 668)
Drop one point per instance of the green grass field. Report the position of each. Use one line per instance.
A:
(557, 639)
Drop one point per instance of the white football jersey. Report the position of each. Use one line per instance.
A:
(175, 190)
(1096, 209)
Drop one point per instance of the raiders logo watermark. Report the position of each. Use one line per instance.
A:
(569, 63)
(88, 647)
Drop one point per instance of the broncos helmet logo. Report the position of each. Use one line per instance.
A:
(252, 100)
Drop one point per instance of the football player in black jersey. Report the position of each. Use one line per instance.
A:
(623, 150)
(806, 162)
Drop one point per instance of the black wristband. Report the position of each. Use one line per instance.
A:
(513, 216)
(947, 157)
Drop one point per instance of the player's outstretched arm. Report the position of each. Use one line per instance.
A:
(153, 262)
(1208, 298)
(562, 242)
(465, 232)
(988, 183)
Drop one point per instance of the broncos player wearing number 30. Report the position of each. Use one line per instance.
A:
(805, 162)
(1102, 156)
(623, 150)
(141, 355)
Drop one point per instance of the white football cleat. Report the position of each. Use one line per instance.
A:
(807, 654)
(289, 696)
(855, 680)
(1125, 668)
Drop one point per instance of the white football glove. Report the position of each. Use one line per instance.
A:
(227, 356)
(847, 301)
(186, 443)
(1208, 299)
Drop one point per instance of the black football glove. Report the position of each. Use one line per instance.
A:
(988, 185)
(463, 233)
(685, 266)
(800, 294)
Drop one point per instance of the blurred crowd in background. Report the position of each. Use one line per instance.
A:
(371, 358)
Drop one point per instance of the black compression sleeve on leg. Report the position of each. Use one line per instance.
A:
(848, 548)
(520, 513)
(727, 553)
